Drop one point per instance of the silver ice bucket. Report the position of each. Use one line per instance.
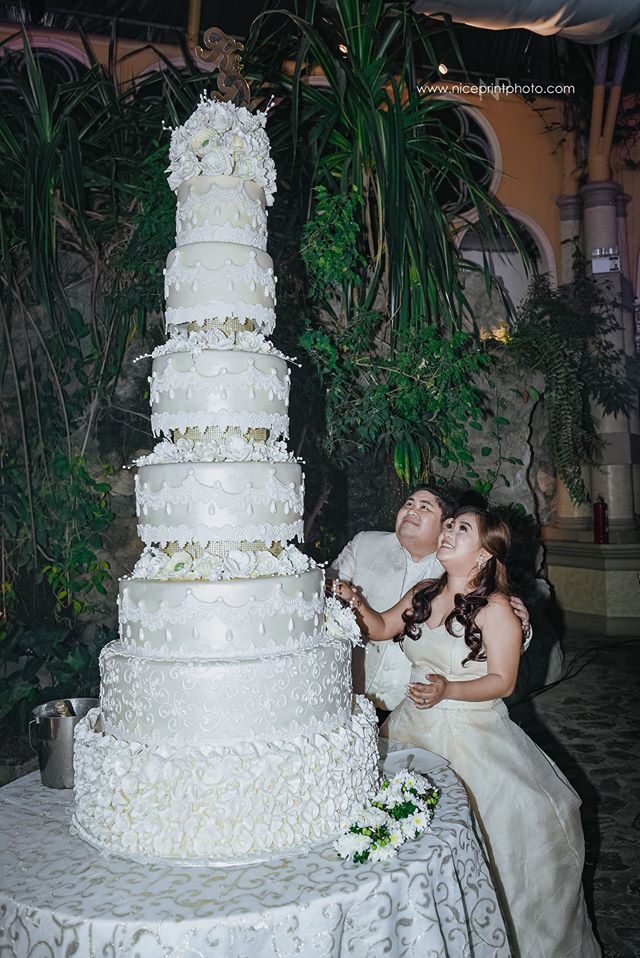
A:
(51, 736)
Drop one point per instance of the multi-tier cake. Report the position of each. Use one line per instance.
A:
(227, 728)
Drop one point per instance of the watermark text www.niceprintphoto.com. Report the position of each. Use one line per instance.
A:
(501, 86)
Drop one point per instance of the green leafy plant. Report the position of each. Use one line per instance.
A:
(373, 162)
(86, 223)
(352, 113)
(330, 251)
(567, 335)
(47, 662)
(413, 402)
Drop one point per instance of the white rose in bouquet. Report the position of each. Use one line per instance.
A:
(238, 449)
(299, 561)
(219, 119)
(203, 141)
(208, 567)
(179, 144)
(149, 564)
(238, 143)
(178, 565)
(267, 564)
(240, 564)
(217, 162)
(246, 168)
(247, 122)
(186, 167)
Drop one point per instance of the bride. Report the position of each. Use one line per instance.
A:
(464, 642)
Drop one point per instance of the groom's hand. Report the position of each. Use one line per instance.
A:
(520, 610)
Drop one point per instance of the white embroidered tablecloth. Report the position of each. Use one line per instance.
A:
(59, 898)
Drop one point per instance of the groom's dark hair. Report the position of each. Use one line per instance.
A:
(445, 499)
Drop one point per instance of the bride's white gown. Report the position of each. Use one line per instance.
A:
(528, 812)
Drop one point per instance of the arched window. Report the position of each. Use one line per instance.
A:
(505, 262)
(59, 62)
(474, 133)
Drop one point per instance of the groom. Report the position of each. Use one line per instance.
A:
(384, 566)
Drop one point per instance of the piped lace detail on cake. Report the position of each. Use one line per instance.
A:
(189, 229)
(197, 382)
(165, 701)
(230, 275)
(167, 650)
(183, 534)
(208, 231)
(192, 609)
(192, 490)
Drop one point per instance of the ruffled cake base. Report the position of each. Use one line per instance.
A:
(221, 805)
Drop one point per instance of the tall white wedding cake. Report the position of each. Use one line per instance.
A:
(227, 728)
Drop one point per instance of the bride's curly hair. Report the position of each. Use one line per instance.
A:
(495, 539)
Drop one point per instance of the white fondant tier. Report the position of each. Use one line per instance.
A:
(212, 389)
(240, 617)
(217, 803)
(203, 502)
(218, 281)
(205, 701)
(221, 209)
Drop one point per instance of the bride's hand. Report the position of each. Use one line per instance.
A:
(424, 695)
(346, 593)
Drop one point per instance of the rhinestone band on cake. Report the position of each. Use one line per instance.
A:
(227, 729)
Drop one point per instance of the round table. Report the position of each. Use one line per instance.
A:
(60, 898)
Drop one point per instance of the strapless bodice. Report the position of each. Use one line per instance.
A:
(438, 651)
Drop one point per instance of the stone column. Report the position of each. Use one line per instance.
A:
(570, 519)
(629, 317)
(613, 480)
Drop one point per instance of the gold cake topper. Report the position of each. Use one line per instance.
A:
(224, 52)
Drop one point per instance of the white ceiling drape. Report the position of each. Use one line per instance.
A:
(587, 21)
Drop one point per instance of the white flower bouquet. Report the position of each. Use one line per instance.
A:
(340, 621)
(401, 810)
(222, 139)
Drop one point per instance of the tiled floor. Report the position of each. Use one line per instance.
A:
(589, 724)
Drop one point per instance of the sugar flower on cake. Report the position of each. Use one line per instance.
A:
(237, 564)
(240, 563)
(179, 565)
(220, 138)
(340, 622)
(208, 567)
(150, 563)
(266, 564)
(217, 162)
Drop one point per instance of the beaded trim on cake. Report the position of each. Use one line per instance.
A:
(164, 423)
(200, 313)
